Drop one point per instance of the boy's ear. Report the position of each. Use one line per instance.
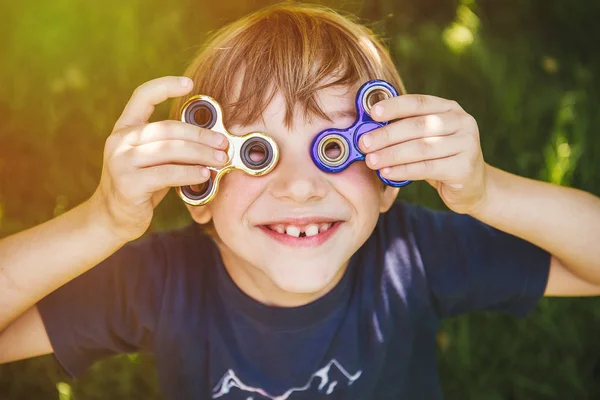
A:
(388, 195)
(200, 214)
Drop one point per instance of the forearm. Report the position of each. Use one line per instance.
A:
(563, 221)
(37, 261)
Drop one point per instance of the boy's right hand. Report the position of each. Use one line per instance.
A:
(143, 160)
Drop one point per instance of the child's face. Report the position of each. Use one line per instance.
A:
(249, 213)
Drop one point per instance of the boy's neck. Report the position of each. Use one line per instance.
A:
(254, 283)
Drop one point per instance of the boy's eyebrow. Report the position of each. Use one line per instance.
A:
(342, 113)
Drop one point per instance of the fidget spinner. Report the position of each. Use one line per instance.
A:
(254, 153)
(333, 150)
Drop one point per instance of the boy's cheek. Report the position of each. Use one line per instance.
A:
(363, 188)
(360, 179)
(236, 192)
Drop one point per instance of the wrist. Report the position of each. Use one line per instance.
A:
(487, 204)
(99, 217)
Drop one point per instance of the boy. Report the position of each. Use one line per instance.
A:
(241, 304)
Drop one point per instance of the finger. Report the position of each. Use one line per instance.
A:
(175, 130)
(438, 170)
(171, 175)
(141, 104)
(417, 150)
(411, 105)
(176, 152)
(410, 128)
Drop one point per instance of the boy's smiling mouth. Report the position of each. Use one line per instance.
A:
(301, 232)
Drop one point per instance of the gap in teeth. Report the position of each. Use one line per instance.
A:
(301, 231)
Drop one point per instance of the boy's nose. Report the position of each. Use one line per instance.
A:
(298, 180)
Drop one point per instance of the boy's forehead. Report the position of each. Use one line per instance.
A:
(336, 101)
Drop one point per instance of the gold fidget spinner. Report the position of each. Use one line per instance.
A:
(205, 112)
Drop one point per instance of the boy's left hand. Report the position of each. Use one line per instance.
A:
(431, 139)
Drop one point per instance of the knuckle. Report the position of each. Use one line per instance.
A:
(111, 142)
(434, 125)
(162, 87)
(165, 124)
(420, 123)
(152, 129)
(174, 129)
(468, 120)
(205, 135)
(150, 87)
(423, 147)
(454, 105)
(113, 148)
(398, 171)
(141, 89)
(163, 172)
(387, 134)
(421, 101)
(191, 173)
(170, 128)
(396, 155)
(428, 166)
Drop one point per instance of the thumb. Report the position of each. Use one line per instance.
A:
(140, 107)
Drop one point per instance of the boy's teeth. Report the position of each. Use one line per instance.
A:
(324, 227)
(311, 230)
(293, 231)
(296, 231)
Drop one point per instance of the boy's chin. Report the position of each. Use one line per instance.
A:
(304, 281)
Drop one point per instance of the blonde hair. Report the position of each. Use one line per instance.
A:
(294, 49)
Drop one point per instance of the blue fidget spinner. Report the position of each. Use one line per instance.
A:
(345, 141)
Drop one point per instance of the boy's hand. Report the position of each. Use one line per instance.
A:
(142, 160)
(432, 139)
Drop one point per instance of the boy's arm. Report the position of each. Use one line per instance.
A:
(25, 337)
(37, 261)
(141, 162)
(436, 140)
(563, 221)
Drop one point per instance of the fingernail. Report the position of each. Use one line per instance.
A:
(385, 171)
(378, 110)
(220, 156)
(373, 159)
(205, 172)
(185, 82)
(367, 140)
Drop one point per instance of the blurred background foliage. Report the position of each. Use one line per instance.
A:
(526, 70)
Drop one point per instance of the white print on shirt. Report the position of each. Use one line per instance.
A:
(230, 380)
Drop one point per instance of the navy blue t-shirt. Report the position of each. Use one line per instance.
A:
(373, 336)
